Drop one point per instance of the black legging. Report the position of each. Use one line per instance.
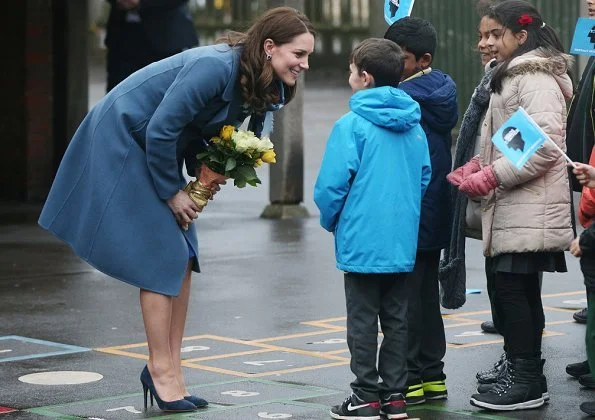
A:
(518, 302)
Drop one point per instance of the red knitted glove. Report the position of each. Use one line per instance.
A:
(480, 183)
(457, 176)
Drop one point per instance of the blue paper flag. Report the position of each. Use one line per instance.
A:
(397, 9)
(583, 41)
(519, 137)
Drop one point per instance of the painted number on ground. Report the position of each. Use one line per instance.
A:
(331, 341)
(194, 348)
(128, 408)
(240, 394)
(263, 362)
(576, 302)
(470, 334)
(265, 415)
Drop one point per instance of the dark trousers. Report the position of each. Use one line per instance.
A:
(369, 297)
(491, 286)
(427, 342)
(518, 304)
(590, 335)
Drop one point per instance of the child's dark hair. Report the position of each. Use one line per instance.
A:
(413, 34)
(539, 35)
(381, 58)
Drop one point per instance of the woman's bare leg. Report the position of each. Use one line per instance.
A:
(178, 322)
(157, 316)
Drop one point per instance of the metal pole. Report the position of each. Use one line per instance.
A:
(286, 191)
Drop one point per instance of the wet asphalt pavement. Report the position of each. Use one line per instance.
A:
(265, 336)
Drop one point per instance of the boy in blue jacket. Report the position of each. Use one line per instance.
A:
(435, 92)
(374, 173)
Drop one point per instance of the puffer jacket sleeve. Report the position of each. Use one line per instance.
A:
(426, 170)
(540, 95)
(196, 84)
(339, 165)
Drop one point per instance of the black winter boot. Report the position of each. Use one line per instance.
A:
(518, 389)
(490, 376)
(483, 388)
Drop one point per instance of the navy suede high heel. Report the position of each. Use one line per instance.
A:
(149, 388)
(197, 401)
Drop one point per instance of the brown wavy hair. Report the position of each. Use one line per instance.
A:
(280, 24)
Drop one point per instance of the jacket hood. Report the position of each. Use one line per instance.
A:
(436, 94)
(537, 61)
(386, 107)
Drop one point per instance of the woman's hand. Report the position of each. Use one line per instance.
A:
(575, 248)
(211, 178)
(585, 174)
(183, 208)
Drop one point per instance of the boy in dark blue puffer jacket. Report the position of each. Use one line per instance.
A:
(435, 92)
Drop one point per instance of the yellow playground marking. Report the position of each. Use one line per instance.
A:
(324, 326)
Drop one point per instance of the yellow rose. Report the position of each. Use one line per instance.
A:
(258, 163)
(269, 156)
(227, 132)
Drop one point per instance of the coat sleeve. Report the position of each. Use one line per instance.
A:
(199, 82)
(426, 170)
(540, 95)
(339, 165)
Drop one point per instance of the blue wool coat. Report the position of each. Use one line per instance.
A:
(108, 200)
(375, 170)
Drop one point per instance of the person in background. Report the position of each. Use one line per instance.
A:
(532, 74)
(580, 142)
(436, 94)
(375, 170)
(584, 247)
(140, 32)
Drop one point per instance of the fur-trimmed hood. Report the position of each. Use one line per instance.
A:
(536, 61)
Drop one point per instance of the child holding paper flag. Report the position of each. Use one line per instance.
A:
(526, 218)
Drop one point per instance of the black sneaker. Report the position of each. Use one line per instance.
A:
(589, 408)
(354, 408)
(415, 394)
(491, 375)
(394, 407)
(587, 381)
(580, 316)
(577, 370)
(435, 388)
(488, 327)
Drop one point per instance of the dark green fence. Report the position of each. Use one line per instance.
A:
(343, 23)
(456, 23)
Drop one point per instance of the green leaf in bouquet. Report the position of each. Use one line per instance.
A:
(246, 172)
(239, 182)
(215, 158)
(230, 164)
(202, 155)
(254, 182)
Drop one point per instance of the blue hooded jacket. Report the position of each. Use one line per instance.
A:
(436, 94)
(375, 170)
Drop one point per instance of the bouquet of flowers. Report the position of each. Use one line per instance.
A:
(233, 154)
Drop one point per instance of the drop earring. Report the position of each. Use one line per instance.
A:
(269, 57)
